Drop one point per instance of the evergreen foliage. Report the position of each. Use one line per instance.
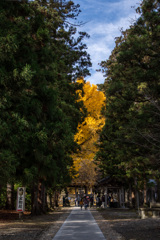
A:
(129, 142)
(40, 60)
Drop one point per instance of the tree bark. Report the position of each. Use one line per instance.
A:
(43, 198)
(145, 193)
(34, 200)
(158, 192)
(130, 196)
(10, 197)
(136, 194)
(38, 199)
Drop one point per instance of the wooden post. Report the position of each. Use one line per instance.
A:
(130, 196)
(145, 193)
(136, 193)
(122, 196)
(106, 200)
(20, 215)
(9, 197)
(120, 200)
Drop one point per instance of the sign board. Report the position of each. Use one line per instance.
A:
(20, 199)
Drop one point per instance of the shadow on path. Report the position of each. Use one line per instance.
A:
(80, 225)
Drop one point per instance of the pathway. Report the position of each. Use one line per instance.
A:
(80, 225)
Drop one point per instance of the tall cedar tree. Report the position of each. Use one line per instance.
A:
(129, 146)
(40, 59)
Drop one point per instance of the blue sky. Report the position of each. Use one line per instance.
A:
(104, 19)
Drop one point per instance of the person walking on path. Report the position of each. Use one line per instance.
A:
(81, 204)
(76, 201)
(79, 225)
(85, 203)
(91, 202)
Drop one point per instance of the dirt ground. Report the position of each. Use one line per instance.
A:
(116, 224)
(125, 224)
(31, 228)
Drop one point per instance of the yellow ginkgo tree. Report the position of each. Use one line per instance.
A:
(88, 134)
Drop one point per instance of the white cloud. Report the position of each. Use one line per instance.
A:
(105, 19)
(102, 39)
(98, 52)
(102, 28)
(96, 78)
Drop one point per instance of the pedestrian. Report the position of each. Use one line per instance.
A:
(64, 201)
(78, 199)
(97, 201)
(91, 201)
(75, 201)
(81, 204)
(85, 203)
(103, 201)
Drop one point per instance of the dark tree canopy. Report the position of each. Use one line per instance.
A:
(129, 143)
(41, 55)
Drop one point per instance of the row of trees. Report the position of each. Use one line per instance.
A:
(45, 113)
(130, 140)
(41, 56)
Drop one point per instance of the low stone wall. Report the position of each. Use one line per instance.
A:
(153, 211)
